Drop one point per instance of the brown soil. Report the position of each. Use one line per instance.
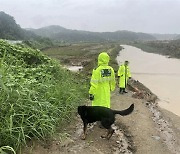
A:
(148, 130)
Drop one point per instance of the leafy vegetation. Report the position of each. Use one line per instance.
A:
(37, 94)
(39, 43)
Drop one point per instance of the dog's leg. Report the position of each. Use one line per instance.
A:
(106, 123)
(83, 136)
(105, 135)
(110, 132)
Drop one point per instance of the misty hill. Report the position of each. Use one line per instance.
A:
(165, 36)
(60, 33)
(46, 31)
(177, 37)
(9, 29)
(126, 36)
(170, 48)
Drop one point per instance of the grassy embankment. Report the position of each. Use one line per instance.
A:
(168, 48)
(36, 95)
(84, 54)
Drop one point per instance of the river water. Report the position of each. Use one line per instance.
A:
(74, 68)
(159, 73)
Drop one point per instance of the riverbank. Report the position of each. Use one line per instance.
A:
(170, 48)
(84, 55)
(149, 129)
(166, 123)
(159, 73)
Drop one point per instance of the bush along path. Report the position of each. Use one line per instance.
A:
(36, 95)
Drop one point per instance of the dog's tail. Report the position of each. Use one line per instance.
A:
(126, 111)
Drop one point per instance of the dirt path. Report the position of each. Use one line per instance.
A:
(146, 131)
(121, 141)
(145, 137)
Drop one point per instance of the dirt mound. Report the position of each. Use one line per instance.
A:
(140, 91)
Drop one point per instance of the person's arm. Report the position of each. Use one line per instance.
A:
(94, 84)
(112, 81)
(120, 71)
(129, 73)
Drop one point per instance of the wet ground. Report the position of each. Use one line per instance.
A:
(149, 129)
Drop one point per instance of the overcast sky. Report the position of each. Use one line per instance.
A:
(152, 16)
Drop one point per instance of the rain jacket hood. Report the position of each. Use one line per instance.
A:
(103, 59)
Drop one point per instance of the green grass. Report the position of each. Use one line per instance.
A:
(7, 150)
(85, 53)
(36, 95)
(69, 51)
(168, 48)
(75, 53)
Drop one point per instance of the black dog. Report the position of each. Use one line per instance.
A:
(106, 116)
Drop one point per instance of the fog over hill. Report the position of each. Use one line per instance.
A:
(165, 36)
(60, 33)
(9, 29)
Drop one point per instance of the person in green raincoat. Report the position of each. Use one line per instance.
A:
(123, 74)
(102, 82)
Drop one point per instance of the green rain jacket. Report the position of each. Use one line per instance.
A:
(102, 81)
(124, 74)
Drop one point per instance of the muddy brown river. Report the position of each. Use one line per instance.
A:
(159, 73)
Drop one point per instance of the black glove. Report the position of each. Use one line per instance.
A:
(91, 97)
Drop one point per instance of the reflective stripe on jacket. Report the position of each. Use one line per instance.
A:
(102, 82)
